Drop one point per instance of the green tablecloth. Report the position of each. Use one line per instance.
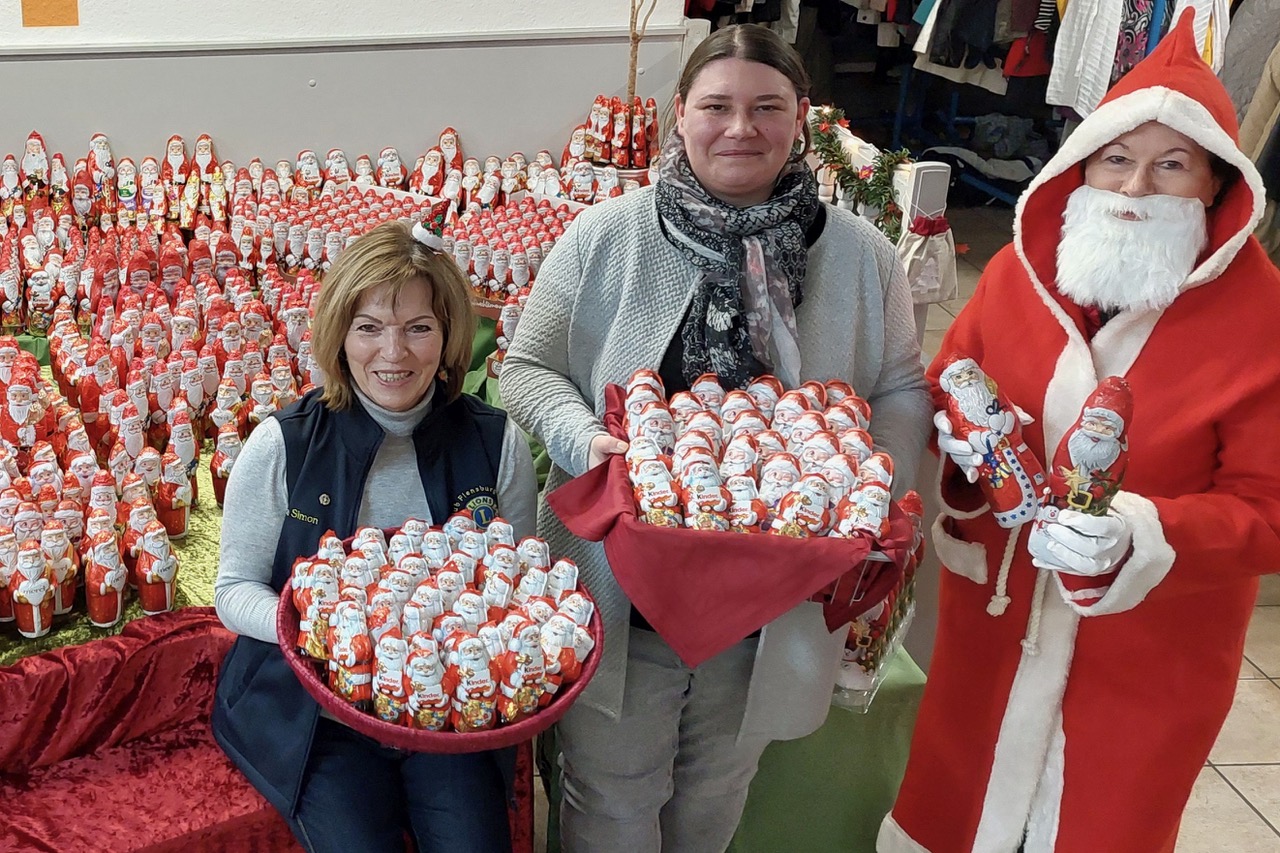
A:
(197, 569)
(825, 793)
(828, 792)
(39, 347)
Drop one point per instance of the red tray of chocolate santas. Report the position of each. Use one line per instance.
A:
(704, 590)
(406, 734)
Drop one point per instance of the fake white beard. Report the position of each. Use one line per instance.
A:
(1116, 264)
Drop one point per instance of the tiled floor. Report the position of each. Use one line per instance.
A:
(1235, 806)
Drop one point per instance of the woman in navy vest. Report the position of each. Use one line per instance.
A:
(390, 436)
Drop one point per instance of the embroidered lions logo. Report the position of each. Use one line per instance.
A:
(480, 503)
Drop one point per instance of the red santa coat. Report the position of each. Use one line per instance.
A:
(1131, 682)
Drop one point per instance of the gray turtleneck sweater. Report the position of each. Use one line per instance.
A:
(257, 502)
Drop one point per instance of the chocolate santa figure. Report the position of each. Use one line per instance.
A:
(12, 303)
(476, 678)
(778, 474)
(104, 578)
(156, 571)
(174, 170)
(8, 564)
(1088, 467)
(704, 497)
(428, 178)
(559, 657)
(34, 169)
(1008, 473)
(390, 172)
(656, 495)
(865, 511)
(173, 496)
(350, 655)
(31, 589)
(430, 696)
(102, 171)
(523, 671)
(451, 149)
(805, 510)
(64, 562)
(747, 513)
(390, 697)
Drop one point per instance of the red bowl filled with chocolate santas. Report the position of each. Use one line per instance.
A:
(731, 508)
(452, 639)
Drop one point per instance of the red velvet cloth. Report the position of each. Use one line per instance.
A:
(704, 591)
(155, 676)
(173, 791)
(106, 747)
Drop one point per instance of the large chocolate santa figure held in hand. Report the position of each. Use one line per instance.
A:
(1009, 474)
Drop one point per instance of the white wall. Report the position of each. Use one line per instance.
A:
(178, 23)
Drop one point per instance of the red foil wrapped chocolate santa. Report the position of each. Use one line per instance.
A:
(1010, 476)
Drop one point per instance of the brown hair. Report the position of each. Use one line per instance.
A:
(390, 255)
(753, 43)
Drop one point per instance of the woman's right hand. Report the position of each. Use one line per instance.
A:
(602, 447)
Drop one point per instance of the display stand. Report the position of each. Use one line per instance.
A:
(921, 189)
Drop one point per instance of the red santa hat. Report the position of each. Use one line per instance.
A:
(31, 546)
(27, 511)
(47, 500)
(130, 411)
(22, 379)
(137, 263)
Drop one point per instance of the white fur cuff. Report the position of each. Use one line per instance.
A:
(1150, 561)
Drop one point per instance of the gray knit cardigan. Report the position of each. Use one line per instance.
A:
(608, 300)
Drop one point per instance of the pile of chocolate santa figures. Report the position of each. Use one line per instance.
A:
(793, 463)
(443, 629)
(615, 135)
(63, 517)
(298, 215)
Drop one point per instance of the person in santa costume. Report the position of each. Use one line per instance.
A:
(1068, 707)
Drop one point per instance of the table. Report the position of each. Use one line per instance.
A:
(825, 793)
(197, 570)
(828, 792)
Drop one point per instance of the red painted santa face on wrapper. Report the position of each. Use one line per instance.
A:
(739, 120)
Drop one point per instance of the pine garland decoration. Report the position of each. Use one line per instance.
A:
(872, 186)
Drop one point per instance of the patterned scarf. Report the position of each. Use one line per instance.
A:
(742, 321)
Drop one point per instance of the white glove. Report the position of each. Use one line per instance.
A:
(961, 452)
(1079, 544)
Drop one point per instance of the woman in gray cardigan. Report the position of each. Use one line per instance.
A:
(729, 264)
